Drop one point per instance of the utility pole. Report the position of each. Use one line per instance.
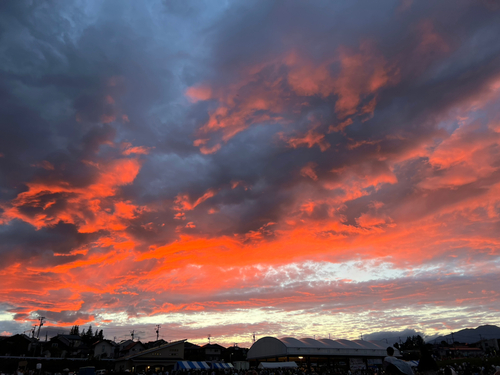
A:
(157, 332)
(132, 334)
(452, 339)
(42, 320)
(209, 336)
(33, 331)
(253, 337)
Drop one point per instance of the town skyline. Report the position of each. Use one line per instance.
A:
(287, 168)
(467, 335)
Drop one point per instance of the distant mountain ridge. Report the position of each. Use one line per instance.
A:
(470, 335)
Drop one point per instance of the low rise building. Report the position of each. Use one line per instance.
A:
(341, 354)
(156, 359)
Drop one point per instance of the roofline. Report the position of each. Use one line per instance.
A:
(312, 347)
(152, 349)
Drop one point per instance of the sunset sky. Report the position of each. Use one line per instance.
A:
(283, 168)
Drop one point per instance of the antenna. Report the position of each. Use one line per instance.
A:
(157, 332)
(132, 334)
(209, 336)
(42, 320)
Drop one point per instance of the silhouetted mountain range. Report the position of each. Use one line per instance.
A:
(470, 335)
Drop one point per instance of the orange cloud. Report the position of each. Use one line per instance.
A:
(363, 73)
(369, 220)
(83, 206)
(309, 139)
(183, 202)
(259, 95)
(128, 149)
(402, 210)
(308, 171)
(197, 93)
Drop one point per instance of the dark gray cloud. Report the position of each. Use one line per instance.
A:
(333, 118)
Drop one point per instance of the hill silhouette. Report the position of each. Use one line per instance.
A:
(470, 335)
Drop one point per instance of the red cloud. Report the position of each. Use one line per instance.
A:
(198, 93)
(128, 149)
(184, 203)
(309, 139)
(429, 205)
(84, 206)
(260, 94)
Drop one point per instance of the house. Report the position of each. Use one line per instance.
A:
(156, 359)
(234, 353)
(68, 346)
(193, 352)
(105, 349)
(130, 347)
(17, 345)
(212, 352)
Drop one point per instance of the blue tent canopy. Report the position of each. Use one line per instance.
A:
(221, 365)
(191, 365)
(413, 363)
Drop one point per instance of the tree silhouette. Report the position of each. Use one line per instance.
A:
(411, 343)
(75, 330)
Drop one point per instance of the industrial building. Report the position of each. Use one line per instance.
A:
(342, 354)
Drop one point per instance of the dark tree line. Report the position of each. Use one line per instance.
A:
(89, 337)
(411, 343)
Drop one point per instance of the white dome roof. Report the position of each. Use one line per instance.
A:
(270, 347)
